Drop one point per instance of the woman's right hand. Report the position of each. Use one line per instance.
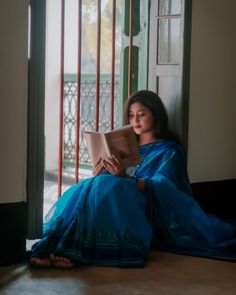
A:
(98, 167)
(114, 166)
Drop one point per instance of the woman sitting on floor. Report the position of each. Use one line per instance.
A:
(113, 218)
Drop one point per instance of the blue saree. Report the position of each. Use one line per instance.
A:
(105, 220)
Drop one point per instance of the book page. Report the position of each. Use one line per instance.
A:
(97, 146)
(122, 142)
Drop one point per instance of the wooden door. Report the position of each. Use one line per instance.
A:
(168, 64)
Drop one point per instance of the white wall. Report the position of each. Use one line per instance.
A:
(13, 100)
(52, 84)
(212, 117)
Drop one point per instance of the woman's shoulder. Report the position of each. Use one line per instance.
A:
(168, 146)
(161, 147)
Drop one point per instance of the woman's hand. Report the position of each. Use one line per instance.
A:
(114, 165)
(98, 168)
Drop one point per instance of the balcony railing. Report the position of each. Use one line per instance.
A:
(87, 112)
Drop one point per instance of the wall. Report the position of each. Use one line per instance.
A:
(52, 84)
(13, 100)
(212, 119)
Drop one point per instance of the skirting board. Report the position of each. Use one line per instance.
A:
(217, 197)
(13, 220)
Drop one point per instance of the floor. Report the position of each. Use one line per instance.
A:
(165, 274)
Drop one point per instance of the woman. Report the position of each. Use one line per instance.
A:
(113, 218)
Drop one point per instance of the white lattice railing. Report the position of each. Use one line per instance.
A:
(87, 113)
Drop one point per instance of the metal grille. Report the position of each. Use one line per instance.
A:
(87, 113)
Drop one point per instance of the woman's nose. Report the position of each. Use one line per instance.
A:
(136, 119)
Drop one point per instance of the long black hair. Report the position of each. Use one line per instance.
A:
(154, 103)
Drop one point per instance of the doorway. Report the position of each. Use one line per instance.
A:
(43, 104)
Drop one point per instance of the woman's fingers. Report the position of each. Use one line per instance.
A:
(99, 161)
(98, 167)
(116, 160)
(113, 165)
(109, 167)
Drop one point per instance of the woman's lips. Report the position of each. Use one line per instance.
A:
(137, 127)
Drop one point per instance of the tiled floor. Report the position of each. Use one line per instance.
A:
(165, 274)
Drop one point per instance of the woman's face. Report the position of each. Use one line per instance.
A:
(140, 118)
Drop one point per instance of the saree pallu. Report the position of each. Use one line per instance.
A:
(179, 224)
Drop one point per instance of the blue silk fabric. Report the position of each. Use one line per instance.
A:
(105, 220)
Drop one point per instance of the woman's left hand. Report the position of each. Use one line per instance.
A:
(114, 165)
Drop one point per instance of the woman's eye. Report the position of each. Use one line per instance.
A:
(141, 114)
(131, 116)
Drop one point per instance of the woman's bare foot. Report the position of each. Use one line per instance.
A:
(40, 262)
(61, 262)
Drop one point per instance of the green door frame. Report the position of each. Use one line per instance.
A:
(140, 47)
(36, 92)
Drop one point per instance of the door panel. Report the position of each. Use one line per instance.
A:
(166, 60)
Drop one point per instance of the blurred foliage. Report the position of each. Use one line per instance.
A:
(89, 35)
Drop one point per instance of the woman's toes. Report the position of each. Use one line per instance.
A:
(61, 262)
(40, 262)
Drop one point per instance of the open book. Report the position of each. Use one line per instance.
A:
(121, 142)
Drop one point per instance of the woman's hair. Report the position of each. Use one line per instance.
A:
(153, 102)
